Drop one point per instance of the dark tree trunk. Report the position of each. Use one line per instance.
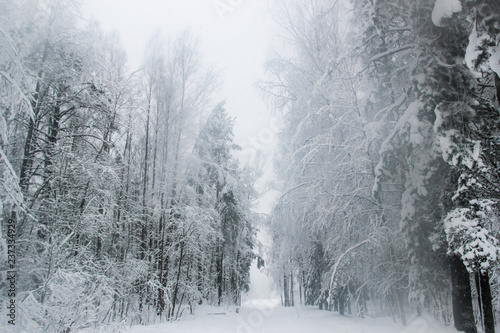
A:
(479, 302)
(144, 224)
(220, 274)
(177, 281)
(497, 86)
(53, 131)
(364, 304)
(401, 307)
(312, 285)
(342, 294)
(463, 313)
(301, 281)
(27, 159)
(29, 143)
(336, 305)
(161, 260)
(486, 303)
(286, 295)
(349, 309)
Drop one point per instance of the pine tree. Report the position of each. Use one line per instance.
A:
(222, 180)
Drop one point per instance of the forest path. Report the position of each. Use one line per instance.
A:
(261, 312)
(267, 316)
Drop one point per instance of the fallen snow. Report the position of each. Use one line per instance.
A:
(444, 9)
(261, 312)
(266, 316)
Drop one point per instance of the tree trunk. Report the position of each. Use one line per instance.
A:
(145, 186)
(478, 295)
(336, 306)
(160, 260)
(399, 296)
(497, 86)
(463, 313)
(301, 282)
(27, 158)
(177, 281)
(220, 274)
(286, 296)
(342, 292)
(486, 303)
(29, 143)
(53, 131)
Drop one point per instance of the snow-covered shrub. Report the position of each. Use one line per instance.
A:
(76, 300)
(468, 236)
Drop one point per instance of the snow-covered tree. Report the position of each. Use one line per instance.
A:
(97, 166)
(223, 187)
(400, 110)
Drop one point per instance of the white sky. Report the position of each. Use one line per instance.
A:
(236, 36)
(236, 40)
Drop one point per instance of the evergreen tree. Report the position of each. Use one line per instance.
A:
(230, 194)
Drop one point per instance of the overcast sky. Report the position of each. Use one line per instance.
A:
(236, 36)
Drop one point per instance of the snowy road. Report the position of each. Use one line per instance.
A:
(261, 315)
(265, 317)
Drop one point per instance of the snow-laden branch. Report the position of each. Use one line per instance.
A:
(292, 189)
(21, 93)
(339, 260)
(391, 52)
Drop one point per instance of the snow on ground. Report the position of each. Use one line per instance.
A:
(267, 316)
(261, 312)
